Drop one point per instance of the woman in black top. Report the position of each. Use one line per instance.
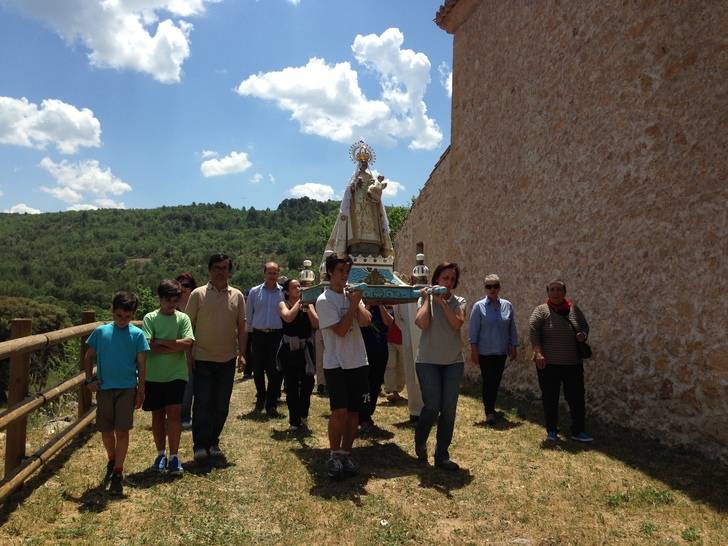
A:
(375, 342)
(296, 352)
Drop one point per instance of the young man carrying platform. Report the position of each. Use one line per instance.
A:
(341, 313)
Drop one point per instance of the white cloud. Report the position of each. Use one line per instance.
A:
(84, 181)
(393, 187)
(23, 123)
(294, 2)
(236, 162)
(1, 192)
(445, 77)
(404, 76)
(64, 193)
(124, 34)
(319, 192)
(82, 206)
(326, 100)
(22, 208)
(207, 154)
(108, 203)
(259, 177)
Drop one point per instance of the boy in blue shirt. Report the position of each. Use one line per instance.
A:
(120, 351)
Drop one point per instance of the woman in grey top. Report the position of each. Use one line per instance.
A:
(439, 363)
(555, 327)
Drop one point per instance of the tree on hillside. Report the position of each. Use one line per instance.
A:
(46, 318)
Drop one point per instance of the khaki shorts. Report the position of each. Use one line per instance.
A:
(115, 409)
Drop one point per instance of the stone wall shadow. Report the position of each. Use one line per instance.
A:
(378, 461)
(683, 469)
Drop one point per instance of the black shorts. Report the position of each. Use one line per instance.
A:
(159, 395)
(348, 389)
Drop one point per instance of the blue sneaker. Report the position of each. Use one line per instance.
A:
(175, 466)
(552, 436)
(582, 437)
(160, 463)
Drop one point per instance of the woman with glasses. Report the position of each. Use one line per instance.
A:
(493, 338)
(439, 363)
(555, 328)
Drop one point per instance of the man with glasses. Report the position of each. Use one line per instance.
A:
(217, 312)
(264, 320)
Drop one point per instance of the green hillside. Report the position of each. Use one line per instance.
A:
(77, 260)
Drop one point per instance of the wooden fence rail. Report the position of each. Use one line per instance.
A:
(18, 467)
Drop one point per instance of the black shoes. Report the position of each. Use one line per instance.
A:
(109, 471)
(447, 464)
(117, 487)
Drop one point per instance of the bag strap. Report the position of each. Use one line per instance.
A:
(568, 319)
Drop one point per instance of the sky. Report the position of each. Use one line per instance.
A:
(144, 103)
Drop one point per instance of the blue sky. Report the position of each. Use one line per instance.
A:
(143, 103)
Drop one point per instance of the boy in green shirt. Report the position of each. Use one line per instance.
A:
(170, 335)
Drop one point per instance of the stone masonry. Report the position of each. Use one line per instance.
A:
(589, 142)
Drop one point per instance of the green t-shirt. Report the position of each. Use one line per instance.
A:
(167, 367)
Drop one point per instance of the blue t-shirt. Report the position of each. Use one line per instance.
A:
(116, 352)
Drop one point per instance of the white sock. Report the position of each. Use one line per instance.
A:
(173, 456)
(162, 452)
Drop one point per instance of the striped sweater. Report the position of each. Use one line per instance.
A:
(553, 333)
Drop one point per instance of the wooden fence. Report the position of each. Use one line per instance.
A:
(18, 466)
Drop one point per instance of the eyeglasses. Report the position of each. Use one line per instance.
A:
(492, 286)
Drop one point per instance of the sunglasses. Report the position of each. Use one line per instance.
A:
(492, 286)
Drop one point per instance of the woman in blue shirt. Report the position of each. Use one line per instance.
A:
(493, 337)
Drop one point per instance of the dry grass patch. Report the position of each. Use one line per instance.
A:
(512, 490)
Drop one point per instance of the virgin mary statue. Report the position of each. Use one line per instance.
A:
(362, 227)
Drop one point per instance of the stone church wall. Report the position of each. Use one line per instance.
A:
(589, 142)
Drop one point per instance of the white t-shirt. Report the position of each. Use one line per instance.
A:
(347, 352)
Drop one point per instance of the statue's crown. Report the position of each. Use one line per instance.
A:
(361, 151)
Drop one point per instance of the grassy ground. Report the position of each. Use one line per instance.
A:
(512, 490)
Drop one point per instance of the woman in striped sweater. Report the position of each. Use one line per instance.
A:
(555, 327)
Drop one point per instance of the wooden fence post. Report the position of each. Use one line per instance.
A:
(17, 391)
(84, 395)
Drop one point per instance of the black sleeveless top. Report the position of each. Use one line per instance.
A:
(300, 327)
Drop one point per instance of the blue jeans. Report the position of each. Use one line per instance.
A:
(440, 386)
